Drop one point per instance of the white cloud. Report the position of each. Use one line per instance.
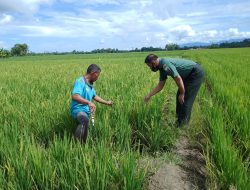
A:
(217, 35)
(95, 2)
(210, 33)
(236, 8)
(68, 1)
(70, 27)
(5, 19)
(43, 31)
(165, 9)
(22, 6)
(183, 31)
(87, 26)
(195, 14)
(104, 2)
(120, 23)
(233, 31)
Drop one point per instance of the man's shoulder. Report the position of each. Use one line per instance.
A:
(176, 61)
(80, 80)
(165, 61)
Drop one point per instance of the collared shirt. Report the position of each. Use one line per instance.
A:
(175, 67)
(86, 91)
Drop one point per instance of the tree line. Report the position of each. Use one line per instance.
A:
(22, 49)
(17, 50)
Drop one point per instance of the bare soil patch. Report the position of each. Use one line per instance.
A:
(189, 175)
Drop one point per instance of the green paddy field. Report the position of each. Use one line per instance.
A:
(37, 149)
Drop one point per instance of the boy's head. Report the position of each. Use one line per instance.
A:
(93, 71)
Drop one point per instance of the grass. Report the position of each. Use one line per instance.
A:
(36, 127)
(37, 150)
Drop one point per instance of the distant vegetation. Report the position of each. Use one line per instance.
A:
(4, 53)
(17, 50)
(244, 43)
(22, 49)
(168, 47)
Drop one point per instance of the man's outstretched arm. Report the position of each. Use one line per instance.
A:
(157, 89)
(102, 101)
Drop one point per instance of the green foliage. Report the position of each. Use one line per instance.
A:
(19, 50)
(4, 53)
(227, 113)
(36, 129)
(37, 150)
(172, 46)
(147, 49)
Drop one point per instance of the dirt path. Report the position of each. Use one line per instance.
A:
(187, 176)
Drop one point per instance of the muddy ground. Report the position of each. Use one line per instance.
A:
(188, 175)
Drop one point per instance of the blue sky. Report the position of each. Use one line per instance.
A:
(67, 25)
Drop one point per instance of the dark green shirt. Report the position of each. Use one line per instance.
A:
(175, 67)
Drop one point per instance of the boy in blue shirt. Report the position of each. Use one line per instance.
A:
(81, 103)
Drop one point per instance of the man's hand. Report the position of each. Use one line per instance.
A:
(181, 98)
(92, 107)
(181, 87)
(109, 103)
(146, 99)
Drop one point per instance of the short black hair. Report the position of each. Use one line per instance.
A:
(93, 68)
(150, 58)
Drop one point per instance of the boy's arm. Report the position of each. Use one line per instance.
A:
(100, 100)
(81, 100)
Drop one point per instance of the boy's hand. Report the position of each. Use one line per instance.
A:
(109, 103)
(147, 98)
(92, 107)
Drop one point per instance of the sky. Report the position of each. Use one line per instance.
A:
(84, 25)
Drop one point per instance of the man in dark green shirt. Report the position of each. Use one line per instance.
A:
(188, 76)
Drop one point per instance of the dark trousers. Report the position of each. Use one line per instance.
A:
(192, 85)
(81, 132)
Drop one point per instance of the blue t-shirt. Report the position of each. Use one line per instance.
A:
(86, 91)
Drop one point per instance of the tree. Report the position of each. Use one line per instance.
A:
(172, 46)
(213, 46)
(19, 50)
(143, 49)
(4, 53)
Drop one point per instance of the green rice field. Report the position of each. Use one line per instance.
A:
(37, 148)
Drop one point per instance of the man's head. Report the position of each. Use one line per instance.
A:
(93, 71)
(152, 61)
